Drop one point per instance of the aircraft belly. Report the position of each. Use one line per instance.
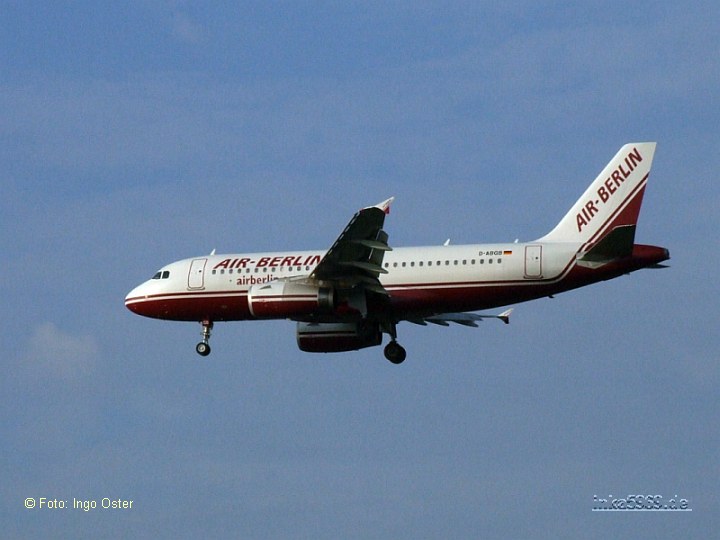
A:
(459, 298)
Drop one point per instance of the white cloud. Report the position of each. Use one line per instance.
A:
(57, 353)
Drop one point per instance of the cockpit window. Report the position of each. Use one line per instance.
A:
(157, 276)
(164, 274)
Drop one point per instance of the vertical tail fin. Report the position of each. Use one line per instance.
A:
(612, 200)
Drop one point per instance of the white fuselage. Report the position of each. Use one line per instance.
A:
(429, 280)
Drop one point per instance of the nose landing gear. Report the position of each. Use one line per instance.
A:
(393, 351)
(203, 348)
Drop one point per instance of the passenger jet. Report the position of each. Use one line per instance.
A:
(345, 298)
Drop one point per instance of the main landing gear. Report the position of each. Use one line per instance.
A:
(393, 350)
(203, 348)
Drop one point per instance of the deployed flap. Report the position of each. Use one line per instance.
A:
(465, 319)
(357, 254)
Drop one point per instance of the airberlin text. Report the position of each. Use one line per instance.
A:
(272, 262)
(608, 188)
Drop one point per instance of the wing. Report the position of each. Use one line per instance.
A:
(357, 254)
(465, 319)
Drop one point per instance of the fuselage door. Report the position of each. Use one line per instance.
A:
(196, 276)
(533, 262)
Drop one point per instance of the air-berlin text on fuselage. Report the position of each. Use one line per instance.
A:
(271, 262)
(608, 188)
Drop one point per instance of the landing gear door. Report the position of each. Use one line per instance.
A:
(196, 276)
(533, 262)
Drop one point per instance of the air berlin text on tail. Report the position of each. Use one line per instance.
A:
(609, 188)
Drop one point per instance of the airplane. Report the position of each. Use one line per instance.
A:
(345, 298)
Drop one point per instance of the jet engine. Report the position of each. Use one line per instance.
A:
(287, 299)
(337, 337)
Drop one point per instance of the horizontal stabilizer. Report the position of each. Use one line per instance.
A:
(617, 244)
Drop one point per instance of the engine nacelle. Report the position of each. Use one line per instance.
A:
(287, 299)
(337, 337)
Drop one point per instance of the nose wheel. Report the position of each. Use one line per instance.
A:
(203, 348)
(395, 352)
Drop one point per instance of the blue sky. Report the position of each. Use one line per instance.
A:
(133, 135)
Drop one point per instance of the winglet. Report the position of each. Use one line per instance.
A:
(505, 316)
(385, 205)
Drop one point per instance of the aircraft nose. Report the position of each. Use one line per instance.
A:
(134, 299)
